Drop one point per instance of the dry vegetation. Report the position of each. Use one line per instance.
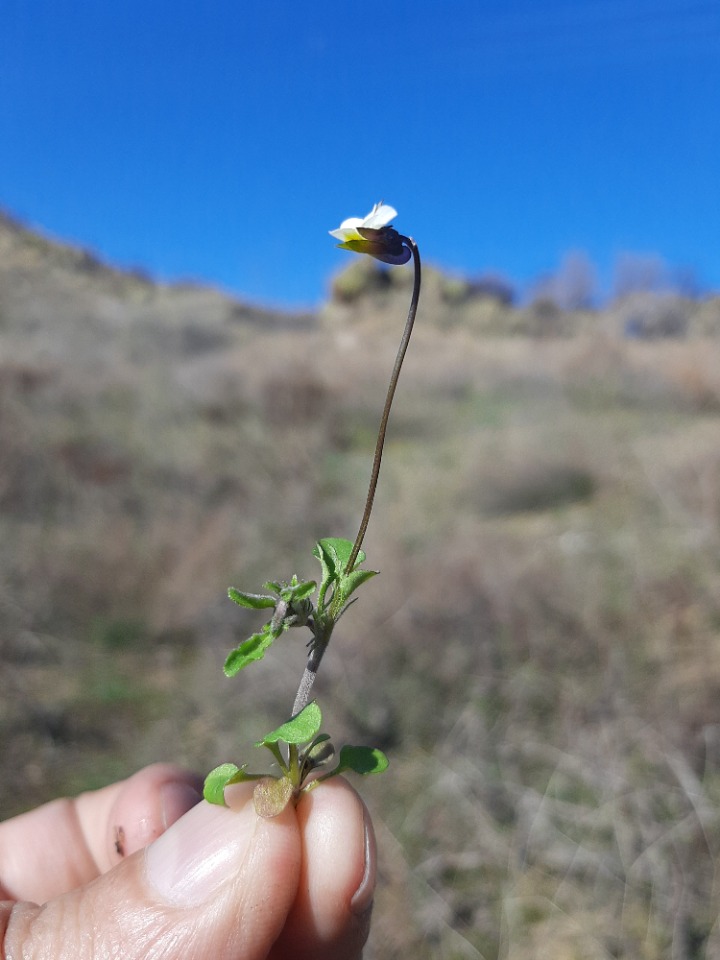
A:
(541, 657)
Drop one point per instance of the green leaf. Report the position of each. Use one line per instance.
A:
(340, 550)
(250, 650)
(214, 787)
(333, 554)
(362, 760)
(327, 564)
(223, 776)
(299, 729)
(299, 591)
(256, 601)
(271, 796)
(350, 583)
(273, 585)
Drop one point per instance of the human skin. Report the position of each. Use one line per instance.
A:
(146, 869)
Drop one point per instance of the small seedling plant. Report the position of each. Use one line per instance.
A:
(303, 755)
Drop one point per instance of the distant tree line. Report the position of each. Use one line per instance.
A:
(574, 286)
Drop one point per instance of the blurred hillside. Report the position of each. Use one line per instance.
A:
(541, 655)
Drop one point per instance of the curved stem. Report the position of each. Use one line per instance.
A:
(388, 403)
(321, 640)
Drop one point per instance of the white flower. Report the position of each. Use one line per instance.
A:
(374, 235)
(380, 216)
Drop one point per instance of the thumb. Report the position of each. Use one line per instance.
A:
(218, 883)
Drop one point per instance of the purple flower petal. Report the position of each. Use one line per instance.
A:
(396, 258)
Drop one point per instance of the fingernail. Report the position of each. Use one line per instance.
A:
(199, 853)
(362, 899)
(176, 798)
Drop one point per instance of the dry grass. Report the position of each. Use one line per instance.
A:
(541, 657)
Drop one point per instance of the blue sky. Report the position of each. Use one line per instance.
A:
(219, 141)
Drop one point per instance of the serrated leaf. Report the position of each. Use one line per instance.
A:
(271, 796)
(255, 601)
(249, 651)
(362, 760)
(299, 729)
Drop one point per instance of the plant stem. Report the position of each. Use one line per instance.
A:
(308, 678)
(405, 340)
(321, 639)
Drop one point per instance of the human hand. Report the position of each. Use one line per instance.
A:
(212, 883)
